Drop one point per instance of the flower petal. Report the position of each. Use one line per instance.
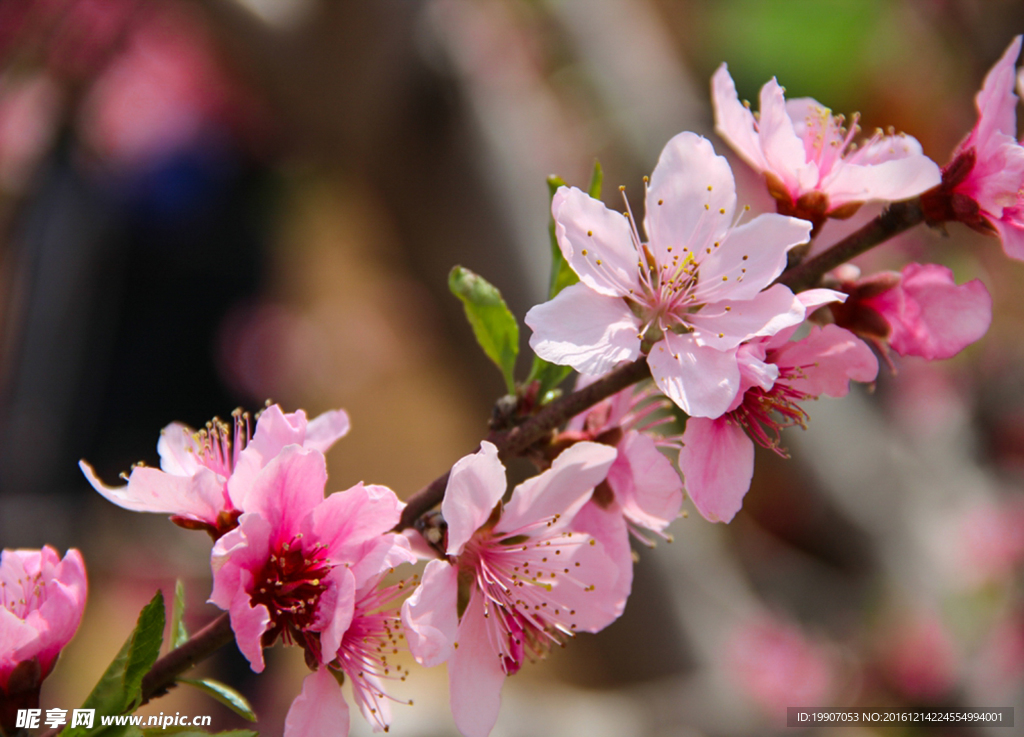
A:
(177, 450)
(350, 522)
(893, 180)
(199, 497)
(702, 381)
(288, 488)
(324, 430)
(320, 710)
(783, 149)
(597, 242)
(750, 257)
(930, 315)
(717, 461)
(646, 486)
(475, 675)
(996, 101)
(733, 120)
(586, 330)
(608, 527)
(476, 484)
(827, 359)
(335, 610)
(430, 617)
(561, 490)
(690, 200)
(725, 324)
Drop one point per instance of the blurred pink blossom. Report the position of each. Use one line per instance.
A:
(776, 665)
(29, 108)
(919, 659)
(991, 540)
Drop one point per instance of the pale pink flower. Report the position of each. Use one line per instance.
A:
(41, 602)
(983, 184)
(641, 485)
(811, 164)
(919, 312)
(776, 665)
(517, 579)
(207, 474)
(687, 298)
(305, 568)
(717, 457)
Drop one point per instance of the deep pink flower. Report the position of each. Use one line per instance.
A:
(983, 184)
(717, 457)
(41, 602)
(920, 312)
(687, 298)
(516, 580)
(207, 474)
(812, 167)
(305, 568)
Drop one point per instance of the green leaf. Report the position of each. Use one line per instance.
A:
(495, 328)
(179, 635)
(225, 695)
(596, 179)
(119, 689)
(145, 648)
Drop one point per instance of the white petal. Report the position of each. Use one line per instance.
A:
(597, 242)
(691, 198)
(702, 381)
(589, 331)
(475, 485)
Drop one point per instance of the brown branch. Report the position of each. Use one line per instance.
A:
(196, 649)
(895, 219)
(513, 442)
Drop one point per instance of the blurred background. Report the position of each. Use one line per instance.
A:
(204, 205)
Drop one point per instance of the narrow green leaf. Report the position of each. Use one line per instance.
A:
(145, 648)
(120, 687)
(225, 695)
(179, 635)
(494, 326)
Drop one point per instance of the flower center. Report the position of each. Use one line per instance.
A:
(515, 573)
(218, 444)
(289, 585)
(24, 597)
(764, 414)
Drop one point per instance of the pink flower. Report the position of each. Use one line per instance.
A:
(717, 457)
(919, 658)
(808, 158)
(305, 568)
(777, 665)
(983, 184)
(517, 578)
(920, 312)
(41, 602)
(687, 298)
(641, 485)
(206, 475)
